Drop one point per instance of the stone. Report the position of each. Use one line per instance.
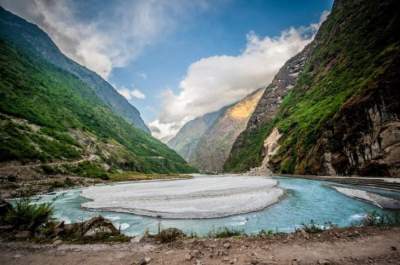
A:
(188, 257)
(98, 225)
(143, 261)
(57, 242)
(323, 262)
(393, 248)
(227, 245)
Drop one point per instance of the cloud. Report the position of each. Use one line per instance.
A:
(217, 81)
(130, 94)
(164, 131)
(108, 40)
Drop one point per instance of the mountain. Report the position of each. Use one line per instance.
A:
(29, 37)
(186, 140)
(342, 115)
(245, 152)
(52, 116)
(206, 141)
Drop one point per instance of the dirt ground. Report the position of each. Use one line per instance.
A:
(368, 245)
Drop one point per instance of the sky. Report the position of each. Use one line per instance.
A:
(175, 60)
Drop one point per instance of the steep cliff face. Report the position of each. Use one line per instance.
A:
(364, 136)
(342, 116)
(31, 38)
(215, 145)
(247, 150)
(186, 140)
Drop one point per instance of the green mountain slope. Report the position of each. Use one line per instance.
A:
(29, 37)
(49, 114)
(342, 115)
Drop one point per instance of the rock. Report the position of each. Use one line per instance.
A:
(188, 257)
(227, 245)
(143, 261)
(393, 248)
(323, 262)
(98, 225)
(198, 262)
(169, 235)
(57, 242)
(25, 234)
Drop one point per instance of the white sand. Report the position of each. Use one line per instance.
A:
(376, 199)
(200, 197)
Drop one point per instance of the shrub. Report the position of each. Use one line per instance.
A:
(376, 219)
(27, 216)
(225, 232)
(312, 227)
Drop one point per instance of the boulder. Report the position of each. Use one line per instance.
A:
(98, 226)
(170, 235)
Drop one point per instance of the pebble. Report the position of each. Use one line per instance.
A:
(188, 257)
(227, 245)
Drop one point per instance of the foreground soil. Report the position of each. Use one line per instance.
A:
(368, 245)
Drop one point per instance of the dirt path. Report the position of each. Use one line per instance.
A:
(349, 246)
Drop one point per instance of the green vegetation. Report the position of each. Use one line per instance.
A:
(46, 113)
(226, 232)
(365, 45)
(376, 219)
(24, 215)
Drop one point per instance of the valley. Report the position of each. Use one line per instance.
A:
(283, 151)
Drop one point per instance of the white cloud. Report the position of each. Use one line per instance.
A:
(164, 131)
(217, 81)
(109, 40)
(130, 94)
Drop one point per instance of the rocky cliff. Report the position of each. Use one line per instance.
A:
(206, 141)
(342, 115)
(247, 150)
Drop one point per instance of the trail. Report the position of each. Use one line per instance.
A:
(368, 245)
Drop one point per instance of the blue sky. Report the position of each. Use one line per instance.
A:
(177, 59)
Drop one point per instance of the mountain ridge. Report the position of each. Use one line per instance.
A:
(29, 36)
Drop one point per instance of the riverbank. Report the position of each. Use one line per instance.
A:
(355, 245)
(33, 184)
(368, 182)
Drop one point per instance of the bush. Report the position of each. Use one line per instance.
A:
(312, 227)
(27, 216)
(376, 219)
(225, 232)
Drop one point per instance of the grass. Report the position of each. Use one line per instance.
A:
(24, 215)
(225, 232)
(376, 219)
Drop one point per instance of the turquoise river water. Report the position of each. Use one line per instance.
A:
(305, 200)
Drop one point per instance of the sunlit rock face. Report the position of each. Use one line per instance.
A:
(203, 197)
(215, 145)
